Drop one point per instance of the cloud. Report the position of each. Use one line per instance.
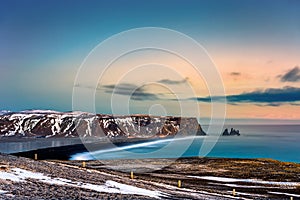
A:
(271, 96)
(85, 86)
(295, 104)
(292, 75)
(235, 74)
(135, 92)
(269, 62)
(173, 82)
(122, 86)
(274, 104)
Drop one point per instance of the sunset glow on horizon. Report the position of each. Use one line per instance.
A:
(255, 46)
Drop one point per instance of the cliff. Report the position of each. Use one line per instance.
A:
(48, 124)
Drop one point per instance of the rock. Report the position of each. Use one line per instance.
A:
(225, 132)
(232, 132)
(51, 124)
(3, 167)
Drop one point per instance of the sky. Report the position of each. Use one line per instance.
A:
(254, 45)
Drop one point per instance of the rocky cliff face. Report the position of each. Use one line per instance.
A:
(46, 124)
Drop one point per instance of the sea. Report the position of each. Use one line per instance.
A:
(280, 142)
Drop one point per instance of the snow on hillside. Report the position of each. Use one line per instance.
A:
(2, 112)
(21, 175)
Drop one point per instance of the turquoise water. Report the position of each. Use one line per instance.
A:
(280, 142)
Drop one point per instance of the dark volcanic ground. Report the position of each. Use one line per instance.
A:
(253, 179)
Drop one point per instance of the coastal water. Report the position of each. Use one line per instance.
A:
(280, 142)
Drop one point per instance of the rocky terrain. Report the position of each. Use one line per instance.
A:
(200, 178)
(52, 124)
(232, 132)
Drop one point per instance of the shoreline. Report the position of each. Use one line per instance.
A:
(65, 152)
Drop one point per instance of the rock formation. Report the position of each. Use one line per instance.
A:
(48, 124)
(232, 132)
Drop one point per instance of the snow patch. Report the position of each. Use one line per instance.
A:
(240, 186)
(128, 189)
(40, 111)
(2, 112)
(9, 176)
(287, 194)
(20, 175)
(248, 194)
(232, 180)
(3, 191)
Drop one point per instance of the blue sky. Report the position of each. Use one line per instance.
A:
(42, 44)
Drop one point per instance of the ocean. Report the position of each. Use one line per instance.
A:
(280, 142)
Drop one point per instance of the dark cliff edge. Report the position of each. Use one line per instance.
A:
(51, 124)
